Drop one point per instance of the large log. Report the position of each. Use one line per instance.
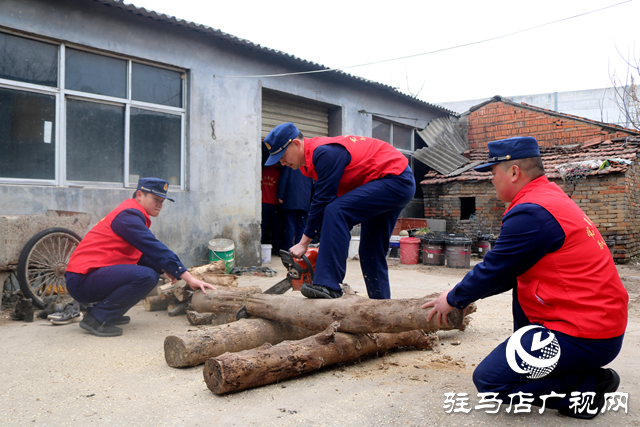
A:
(231, 372)
(195, 347)
(216, 267)
(355, 314)
(222, 301)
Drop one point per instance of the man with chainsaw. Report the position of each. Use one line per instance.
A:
(569, 305)
(360, 180)
(119, 261)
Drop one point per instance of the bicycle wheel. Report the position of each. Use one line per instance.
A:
(43, 262)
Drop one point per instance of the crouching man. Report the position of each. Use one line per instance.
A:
(119, 261)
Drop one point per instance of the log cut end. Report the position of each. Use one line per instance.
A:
(175, 351)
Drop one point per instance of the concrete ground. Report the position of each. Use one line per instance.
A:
(63, 376)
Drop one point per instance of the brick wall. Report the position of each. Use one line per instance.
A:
(498, 120)
(611, 201)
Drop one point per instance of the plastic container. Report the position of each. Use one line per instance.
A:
(484, 244)
(266, 254)
(222, 249)
(409, 250)
(433, 249)
(458, 252)
(354, 245)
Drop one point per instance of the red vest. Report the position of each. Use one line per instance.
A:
(269, 184)
(370, 159)
(576, 289)
(101, 247)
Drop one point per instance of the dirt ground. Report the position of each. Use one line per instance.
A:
(63, 376)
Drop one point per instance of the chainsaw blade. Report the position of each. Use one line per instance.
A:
(280, 288)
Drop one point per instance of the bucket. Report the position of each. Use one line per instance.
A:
(354, 245)
(394, 247)
(433, 249)
(409, 250)
(266, 254)
(222, 249)
(458, 252)
(484, 244)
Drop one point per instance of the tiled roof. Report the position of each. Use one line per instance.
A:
(552, 156)
(297, 64)
(498, 98)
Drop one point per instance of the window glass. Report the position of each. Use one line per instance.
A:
(102, 75)
(95, 142)
(402, 137)
(154, 145)
(28, 61)
(381, 130)
(27, 135)
(156, 85)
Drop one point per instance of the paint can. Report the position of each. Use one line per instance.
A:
(266, 253)
(409, 250)
(458, 251)
(222, 249)
(484, 244)
(433, 249)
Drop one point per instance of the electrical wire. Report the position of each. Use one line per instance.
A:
(426, 53)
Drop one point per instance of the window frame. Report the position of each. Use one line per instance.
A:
(61, 95)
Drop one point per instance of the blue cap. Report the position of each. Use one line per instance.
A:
(278, 140)
(155, 186)
(520, 147)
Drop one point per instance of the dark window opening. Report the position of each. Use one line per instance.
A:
(467, 207)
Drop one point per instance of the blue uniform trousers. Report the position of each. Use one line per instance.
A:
(115, 289)
(576, 370)
(295, 220)
(375, 205)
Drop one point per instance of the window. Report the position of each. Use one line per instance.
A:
(405, 139)
(109, 121)
(467, 207)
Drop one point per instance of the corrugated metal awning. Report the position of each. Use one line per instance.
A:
(444, 145)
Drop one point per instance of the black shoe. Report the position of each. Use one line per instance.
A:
(124, 320)
(70, 314)
(607, 381)
(318, 291)
(93, 326)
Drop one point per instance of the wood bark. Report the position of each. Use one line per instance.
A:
(232, 372)
(155, 303)
(195, 347)
(355, 314)
(177, 309)
(165, 292)
(222, 300)
(196, 318)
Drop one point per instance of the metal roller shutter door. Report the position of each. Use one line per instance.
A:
(311, 119)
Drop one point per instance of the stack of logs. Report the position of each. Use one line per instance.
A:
(288, 336)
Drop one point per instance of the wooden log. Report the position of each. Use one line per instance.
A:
(216, 267)
(155, 303)
(195, 347)
(166, 292)
(182, 291)
(222, 301)
(355, 314)
(267, 364)
(196, 318)
(229, 280)
(177, 309)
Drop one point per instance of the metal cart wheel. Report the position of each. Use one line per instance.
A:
(43, 262)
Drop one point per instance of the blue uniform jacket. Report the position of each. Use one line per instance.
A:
(294, 189)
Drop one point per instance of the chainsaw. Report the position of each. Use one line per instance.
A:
(299, 272)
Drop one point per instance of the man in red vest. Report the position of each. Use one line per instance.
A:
(360, 180)
(119, 261)
(569, 305)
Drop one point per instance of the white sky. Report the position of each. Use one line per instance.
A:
(575, 54)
